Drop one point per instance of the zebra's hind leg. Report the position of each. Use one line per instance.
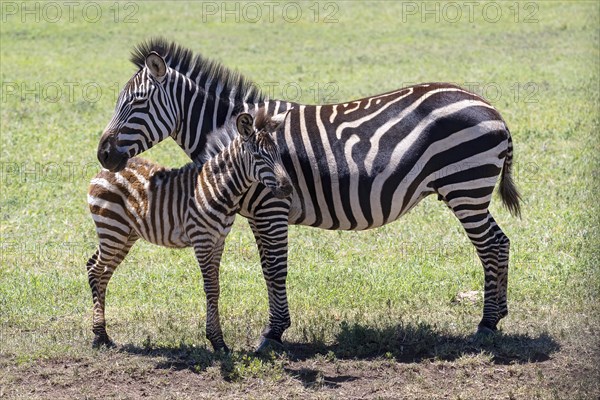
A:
(478, 223)
(503, 259)
(100, 268)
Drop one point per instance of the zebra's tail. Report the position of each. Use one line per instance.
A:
(508, 190)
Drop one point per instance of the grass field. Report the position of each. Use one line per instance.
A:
(373, 313)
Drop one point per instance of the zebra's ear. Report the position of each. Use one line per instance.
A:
(278, 120)
(156, 64)
(244, 126)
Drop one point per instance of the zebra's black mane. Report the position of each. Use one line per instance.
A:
(196, 66)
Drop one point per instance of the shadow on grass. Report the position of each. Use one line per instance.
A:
(416, 343)
(404, 343)
(234, 366)
(176, 358)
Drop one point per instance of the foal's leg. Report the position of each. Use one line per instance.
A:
(100, 267)
(271, 233)
(208, 254)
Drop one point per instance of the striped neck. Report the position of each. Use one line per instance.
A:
(201, 113)
(204, 104)
(229, 175)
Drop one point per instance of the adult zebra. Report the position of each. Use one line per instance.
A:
(354, 166)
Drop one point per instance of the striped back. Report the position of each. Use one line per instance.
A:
(144, 198)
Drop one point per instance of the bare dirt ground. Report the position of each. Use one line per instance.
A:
(301, 373)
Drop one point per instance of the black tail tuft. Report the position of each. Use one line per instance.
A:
(508, 190)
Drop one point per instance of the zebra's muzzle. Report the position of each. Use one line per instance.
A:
(110, 157)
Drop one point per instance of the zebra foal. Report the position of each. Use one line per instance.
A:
(191, 206)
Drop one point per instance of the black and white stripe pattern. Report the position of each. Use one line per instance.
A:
(181, 208)
(354, 166)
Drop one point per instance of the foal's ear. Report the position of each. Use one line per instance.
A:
(244, 125)
(278, 120)
(156, 64)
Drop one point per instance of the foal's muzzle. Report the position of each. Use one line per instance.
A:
(283, 188)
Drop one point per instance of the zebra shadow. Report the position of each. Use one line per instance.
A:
(404, 343)
(198, 359)
(176, 357)
(410, 343)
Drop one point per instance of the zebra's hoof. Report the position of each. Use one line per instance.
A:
(267, 345)
(103, 341)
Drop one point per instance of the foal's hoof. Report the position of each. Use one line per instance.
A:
(222, 349)
(103, 341)
(219, 345)
(267, 345)
(485, 331)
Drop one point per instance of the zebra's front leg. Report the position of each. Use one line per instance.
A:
(209, 259)
(272, 240)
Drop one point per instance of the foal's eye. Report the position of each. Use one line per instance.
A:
(138, 97)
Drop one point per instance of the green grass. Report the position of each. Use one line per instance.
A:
(380, 300)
